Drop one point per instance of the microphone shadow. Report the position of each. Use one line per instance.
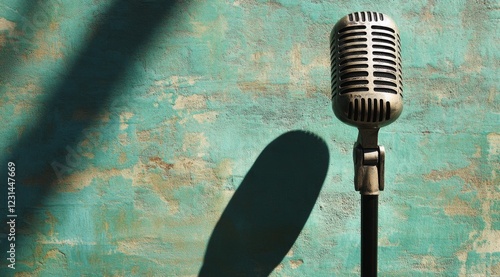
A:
(269, 209)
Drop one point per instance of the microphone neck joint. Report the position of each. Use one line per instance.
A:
(369, 160)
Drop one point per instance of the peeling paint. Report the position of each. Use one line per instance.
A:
(494, 146)
(124, 118)
(207, 117)
(6, 25)
(159, 163)
(190, 102)
(460, 207)
(296, 263)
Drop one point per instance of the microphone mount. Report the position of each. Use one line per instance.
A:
(369, 160)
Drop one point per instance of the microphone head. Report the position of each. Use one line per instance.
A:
(365, 54)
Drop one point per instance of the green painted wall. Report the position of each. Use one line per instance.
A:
(152, 138)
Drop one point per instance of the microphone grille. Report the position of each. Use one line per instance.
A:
(365, 54)
(366, 16)
(366, 70)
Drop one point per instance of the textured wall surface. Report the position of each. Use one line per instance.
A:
(169, 138)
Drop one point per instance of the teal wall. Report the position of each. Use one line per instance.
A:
(152, 138)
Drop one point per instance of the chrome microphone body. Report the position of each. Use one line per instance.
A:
(367, 87)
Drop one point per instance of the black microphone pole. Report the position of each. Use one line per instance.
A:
(369, 234)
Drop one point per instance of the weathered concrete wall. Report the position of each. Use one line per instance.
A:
(137, 126)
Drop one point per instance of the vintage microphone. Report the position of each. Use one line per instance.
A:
(365, 54)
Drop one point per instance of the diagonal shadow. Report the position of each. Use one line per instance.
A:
(269, 209)
(87, 88)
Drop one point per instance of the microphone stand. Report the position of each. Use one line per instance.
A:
(369, 234)
(369, 181)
